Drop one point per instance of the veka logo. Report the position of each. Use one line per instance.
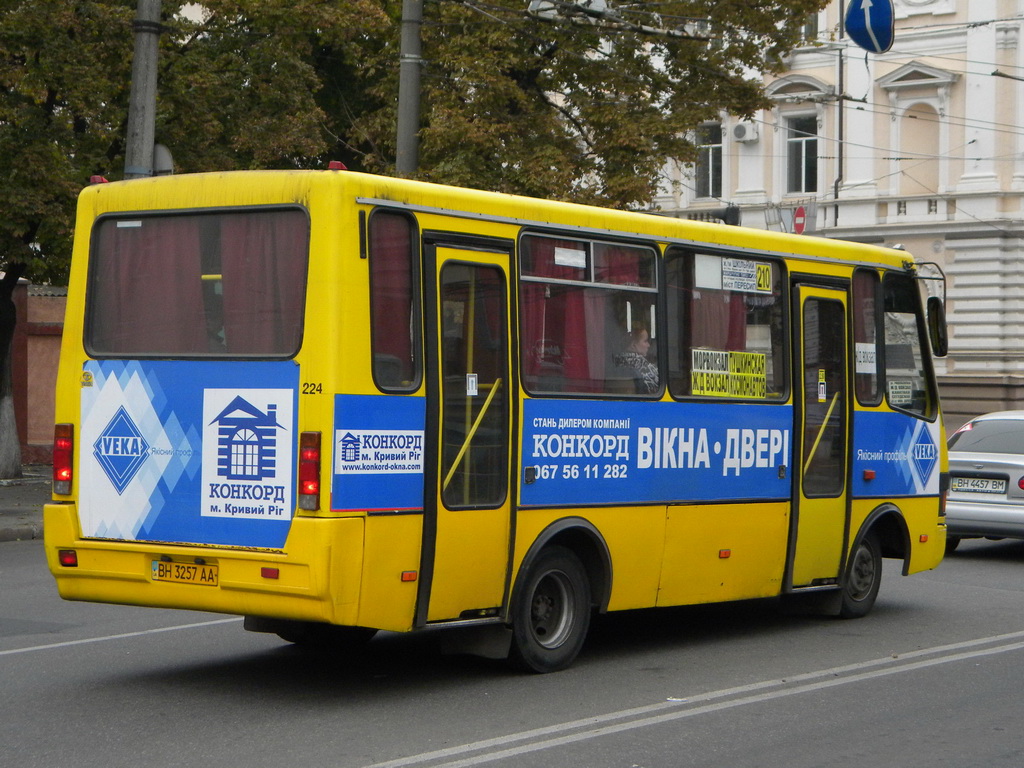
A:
(924, 454)
(121, 450)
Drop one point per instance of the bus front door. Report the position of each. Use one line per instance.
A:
(821, 454)
(466, 536)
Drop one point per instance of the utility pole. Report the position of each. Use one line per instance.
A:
(138, 159)
(410, 63)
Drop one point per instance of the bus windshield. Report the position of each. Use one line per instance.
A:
(197, 285)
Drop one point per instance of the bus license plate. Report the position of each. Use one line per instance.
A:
(978, 484)
(185, 573)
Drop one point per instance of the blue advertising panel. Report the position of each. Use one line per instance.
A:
(378, 453)
(895, 455)
(591, 452)
(871, 24)
(190, 452)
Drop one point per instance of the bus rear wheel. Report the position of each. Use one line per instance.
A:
(863, 578)
(550, 612)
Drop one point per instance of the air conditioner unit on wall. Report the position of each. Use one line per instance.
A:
(745, 132)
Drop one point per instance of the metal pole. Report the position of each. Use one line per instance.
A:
(407, 157)
(138, 158)
(840, 119)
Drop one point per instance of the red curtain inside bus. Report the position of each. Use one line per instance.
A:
(554, 317)
(572, 331)
(718, 320)
(264, 268)
(145, 293)
(198, 285)
(394, 330)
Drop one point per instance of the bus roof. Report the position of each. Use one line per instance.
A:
(244, 188)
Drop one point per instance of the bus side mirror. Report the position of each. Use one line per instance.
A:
(937, 333)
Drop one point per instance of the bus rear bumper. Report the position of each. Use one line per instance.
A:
(320, 584)
(930, 549)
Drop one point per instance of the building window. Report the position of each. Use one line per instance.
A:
(809, 29)
(802, 154)
(709, 160)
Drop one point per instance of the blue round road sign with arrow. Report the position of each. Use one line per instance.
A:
(871, 24)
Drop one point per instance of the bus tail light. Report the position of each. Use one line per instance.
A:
(68, 558)
(309, 471)
(63, 458)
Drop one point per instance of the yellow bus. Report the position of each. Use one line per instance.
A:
(335, 403)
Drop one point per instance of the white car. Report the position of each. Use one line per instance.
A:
(986, 479)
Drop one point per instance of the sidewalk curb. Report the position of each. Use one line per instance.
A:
(21, 503)
(21, 532)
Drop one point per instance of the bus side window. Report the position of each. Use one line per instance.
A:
(395, 324)
(579, 302)
(866, 318)
(726, 326)
(906, 371)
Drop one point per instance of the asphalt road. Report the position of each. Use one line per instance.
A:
(931, 678)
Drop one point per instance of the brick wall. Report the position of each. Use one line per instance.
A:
(35, 354)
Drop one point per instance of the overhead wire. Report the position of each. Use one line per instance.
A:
(490, 13)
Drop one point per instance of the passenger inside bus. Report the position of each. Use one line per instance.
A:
(634, 357)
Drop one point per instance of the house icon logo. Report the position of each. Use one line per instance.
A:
(348, 448)
(246, 441)
(120, 450)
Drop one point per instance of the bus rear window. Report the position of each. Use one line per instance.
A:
(221, 284)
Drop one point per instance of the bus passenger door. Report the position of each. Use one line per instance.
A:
(821, 452)
(466, 536)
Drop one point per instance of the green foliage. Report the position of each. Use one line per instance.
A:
(563, 108)
(64, 79)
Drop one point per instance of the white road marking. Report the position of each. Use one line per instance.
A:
(678, 708)
(121, 636)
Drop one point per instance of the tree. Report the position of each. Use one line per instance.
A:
(236, 90)
(578, 105)
(585, 106)
(570, 105)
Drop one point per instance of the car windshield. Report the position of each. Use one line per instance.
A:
(990, 436)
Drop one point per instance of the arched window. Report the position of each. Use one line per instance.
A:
(919, 97)
(245, 454)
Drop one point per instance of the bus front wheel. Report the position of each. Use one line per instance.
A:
(550, 612)
(863, 577)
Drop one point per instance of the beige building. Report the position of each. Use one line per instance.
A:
(921, 146)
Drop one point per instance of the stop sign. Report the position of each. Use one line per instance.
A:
(799, 220)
